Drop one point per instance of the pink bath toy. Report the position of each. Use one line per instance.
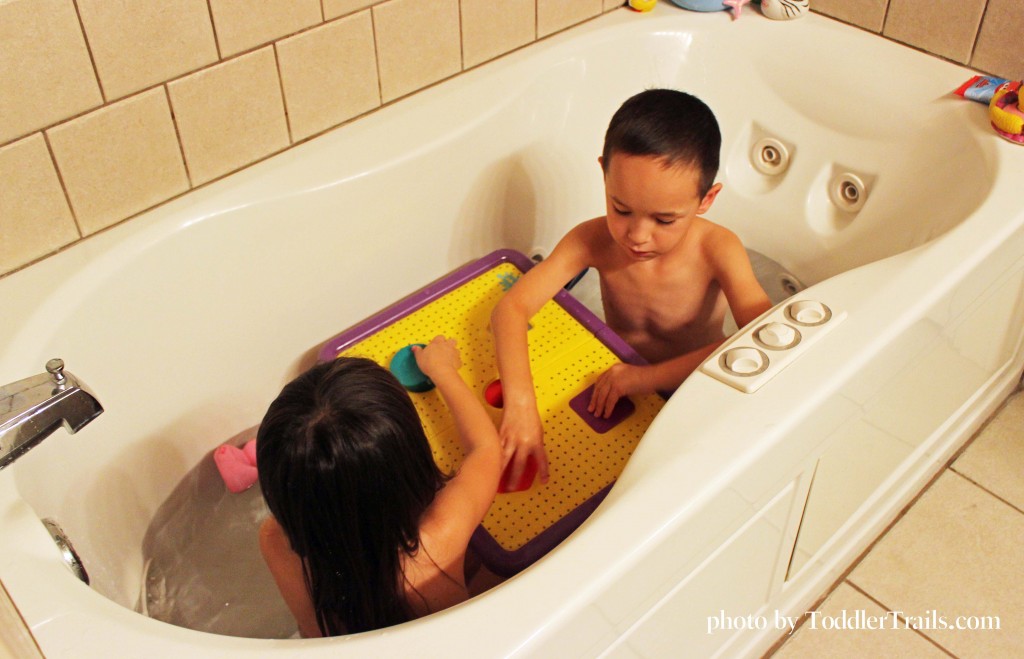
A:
(736, 6)
(250, 451)
(237, 466)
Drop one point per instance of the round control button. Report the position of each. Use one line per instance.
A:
(745, 361)
(777, 335)
(808, 312)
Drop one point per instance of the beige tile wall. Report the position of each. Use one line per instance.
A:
(982, 34)
(110, 108)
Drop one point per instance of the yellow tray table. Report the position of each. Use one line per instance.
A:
(569, 349)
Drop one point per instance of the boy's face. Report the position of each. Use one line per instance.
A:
(651, 206)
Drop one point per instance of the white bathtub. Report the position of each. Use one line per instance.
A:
(187, 320)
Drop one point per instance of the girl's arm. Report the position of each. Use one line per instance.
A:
(464, 501)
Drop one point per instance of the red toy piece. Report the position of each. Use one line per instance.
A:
(525, 480)
(493, 394)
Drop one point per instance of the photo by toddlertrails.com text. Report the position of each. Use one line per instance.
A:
(853, 620)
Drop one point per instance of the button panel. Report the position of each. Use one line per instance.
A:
(757, 353)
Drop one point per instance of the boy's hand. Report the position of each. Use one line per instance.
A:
(439, 356)
(618, 381)
(522, 436)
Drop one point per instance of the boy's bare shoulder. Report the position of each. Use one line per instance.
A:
(591, 231)
(716, 241)
(591, 238)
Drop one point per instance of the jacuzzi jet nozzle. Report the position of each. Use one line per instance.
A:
(770, 156)
(848, 192)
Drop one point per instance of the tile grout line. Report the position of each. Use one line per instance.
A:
(977, 33)
(986, 490)
(181, 144)
(844, 577)
(216, 37)
(92, 58)
(906, 624)
(64, 189)
(284, 96)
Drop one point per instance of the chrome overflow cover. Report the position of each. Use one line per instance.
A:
(67, 550)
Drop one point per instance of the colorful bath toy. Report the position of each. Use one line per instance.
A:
(980, 88)
(569, 349)
(642, 5)
(736, 6)
(494, 395)
(408, 372)
(525, 481)
(581, 404)
(782, 10)
(700, 5)
(1006, 111)
(237, 466)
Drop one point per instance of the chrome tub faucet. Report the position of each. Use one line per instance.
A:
(31, 409)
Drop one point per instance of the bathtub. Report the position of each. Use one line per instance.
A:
(736, 507)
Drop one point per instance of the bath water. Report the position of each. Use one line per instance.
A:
(203, 567)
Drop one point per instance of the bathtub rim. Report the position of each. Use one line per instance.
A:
(939, 248)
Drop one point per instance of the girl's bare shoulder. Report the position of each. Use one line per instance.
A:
(274, 541)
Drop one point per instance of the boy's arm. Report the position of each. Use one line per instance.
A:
(735, 275)
(521, 432)
(626, 379)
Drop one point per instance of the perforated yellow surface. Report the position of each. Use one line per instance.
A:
(566, 359)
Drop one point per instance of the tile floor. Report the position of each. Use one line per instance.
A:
(957, 551)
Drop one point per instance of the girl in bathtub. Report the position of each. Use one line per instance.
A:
(365, 531)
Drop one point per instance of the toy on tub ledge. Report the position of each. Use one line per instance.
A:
(642, 5)
(701, 5)
(784, 10)
(713, 5)
(1006, 112)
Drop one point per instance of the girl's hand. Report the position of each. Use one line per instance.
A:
(440, 356)
(522, 437)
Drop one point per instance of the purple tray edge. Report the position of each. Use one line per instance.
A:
(459, 276)
(506, 563)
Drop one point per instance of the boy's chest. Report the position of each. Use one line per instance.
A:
(659, 301)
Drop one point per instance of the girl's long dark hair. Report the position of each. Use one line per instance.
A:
(346, 470)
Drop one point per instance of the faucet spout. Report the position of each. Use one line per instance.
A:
(33, 408)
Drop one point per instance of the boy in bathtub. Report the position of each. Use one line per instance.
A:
(666, 273)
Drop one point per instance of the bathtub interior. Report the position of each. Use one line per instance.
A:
(187, 321)
(202, 566)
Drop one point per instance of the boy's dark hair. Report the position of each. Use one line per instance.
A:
(347, 472)
(669, 124)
